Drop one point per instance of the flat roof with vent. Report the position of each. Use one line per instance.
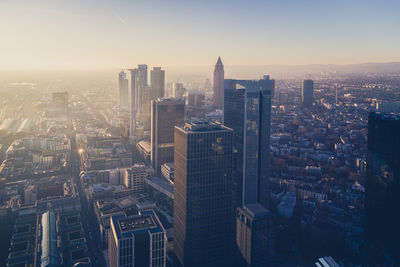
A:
(136, 223)
(126, 226)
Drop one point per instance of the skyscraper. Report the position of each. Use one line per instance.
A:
(307, 93)
(123, 94)
(202, 194)
(219, 84)
(141, 86)
(382, 197)
(247, 110)
(166, 113)
(142, 77)
(145, 107)
(157, 76)
(137, 241)
(133, 94)
(138, 84)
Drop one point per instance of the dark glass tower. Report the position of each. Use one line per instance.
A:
(307, 93)
(166, 113)
(202, 194)
(133, 102)
(247, 110)
(138, 84)
(382, 196)
(123, 93)
(157, 78)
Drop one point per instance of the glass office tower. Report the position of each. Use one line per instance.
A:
(166, 113)
(382, 195)
(202, 194)
(307, 93)
(247, 110)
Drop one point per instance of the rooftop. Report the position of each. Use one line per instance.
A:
(125, 225)
(198, 125)
(169, 100)
(136, 223)
(249, 85)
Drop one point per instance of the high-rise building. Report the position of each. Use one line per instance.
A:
(142, 77)
(382, 197)
(138, 84)
(178, 90)
(141, 90)
(219, 84)
(166, 113)
(267, 77)
(123, 93)
(137, 241)
(247, 110)
(252, 235)
(157, 76)
(133, 94)
(307, 93)
(202, 194)
(145, 107)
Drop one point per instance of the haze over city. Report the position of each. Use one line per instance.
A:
(199, 133)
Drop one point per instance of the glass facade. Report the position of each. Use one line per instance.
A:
(382, 196)
(157, 77)
(307, 93)
(202, 195)
(247, 110)
(165, 114)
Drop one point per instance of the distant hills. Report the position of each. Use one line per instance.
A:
(192, 74)
(253, 72)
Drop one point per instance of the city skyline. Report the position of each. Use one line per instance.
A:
(279, 164)
(211, 133)
(74, 34)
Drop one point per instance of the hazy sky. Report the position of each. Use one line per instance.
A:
(45, 34)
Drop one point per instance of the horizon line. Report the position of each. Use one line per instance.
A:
(193, 66)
